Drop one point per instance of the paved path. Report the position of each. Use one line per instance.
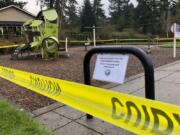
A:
(63, 120)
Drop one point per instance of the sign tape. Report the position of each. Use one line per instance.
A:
(135, 114)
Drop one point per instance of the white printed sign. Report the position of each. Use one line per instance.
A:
(175, 28)
(177, 33)
(111, 68)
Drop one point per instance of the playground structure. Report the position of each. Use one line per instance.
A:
(41, 36)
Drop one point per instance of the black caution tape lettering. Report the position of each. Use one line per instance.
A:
(130, 105)
(7, 73)
(45, 85)
(156, 113)
(147, 118)
(114, 109)
(177, 117)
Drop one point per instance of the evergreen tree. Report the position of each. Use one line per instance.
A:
(176, 13)
(98, 12)
(5, 3)
(128, 15)
(166, 7)
(148, 16)
(116, 7)
(154, 15)
(87, 16)
(122, 13)
(72, 17)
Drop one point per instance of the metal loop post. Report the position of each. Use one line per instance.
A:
(146, 62)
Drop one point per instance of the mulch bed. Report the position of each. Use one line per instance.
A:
(68, 69)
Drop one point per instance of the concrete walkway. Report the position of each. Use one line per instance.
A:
(63, 120)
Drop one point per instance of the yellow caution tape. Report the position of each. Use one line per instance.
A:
(138, 115)
(8, 46)
(103, 41)
(121, 40)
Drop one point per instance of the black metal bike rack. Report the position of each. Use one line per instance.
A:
(146, 62)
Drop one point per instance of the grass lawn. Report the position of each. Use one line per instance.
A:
(169, 44)
(15, 122)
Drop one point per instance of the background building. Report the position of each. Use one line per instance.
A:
(12, 19)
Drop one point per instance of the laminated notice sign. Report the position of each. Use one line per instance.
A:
(177, 33)
(175, 28)
(111, 68)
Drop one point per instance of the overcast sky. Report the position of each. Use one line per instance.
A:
(33, 8)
